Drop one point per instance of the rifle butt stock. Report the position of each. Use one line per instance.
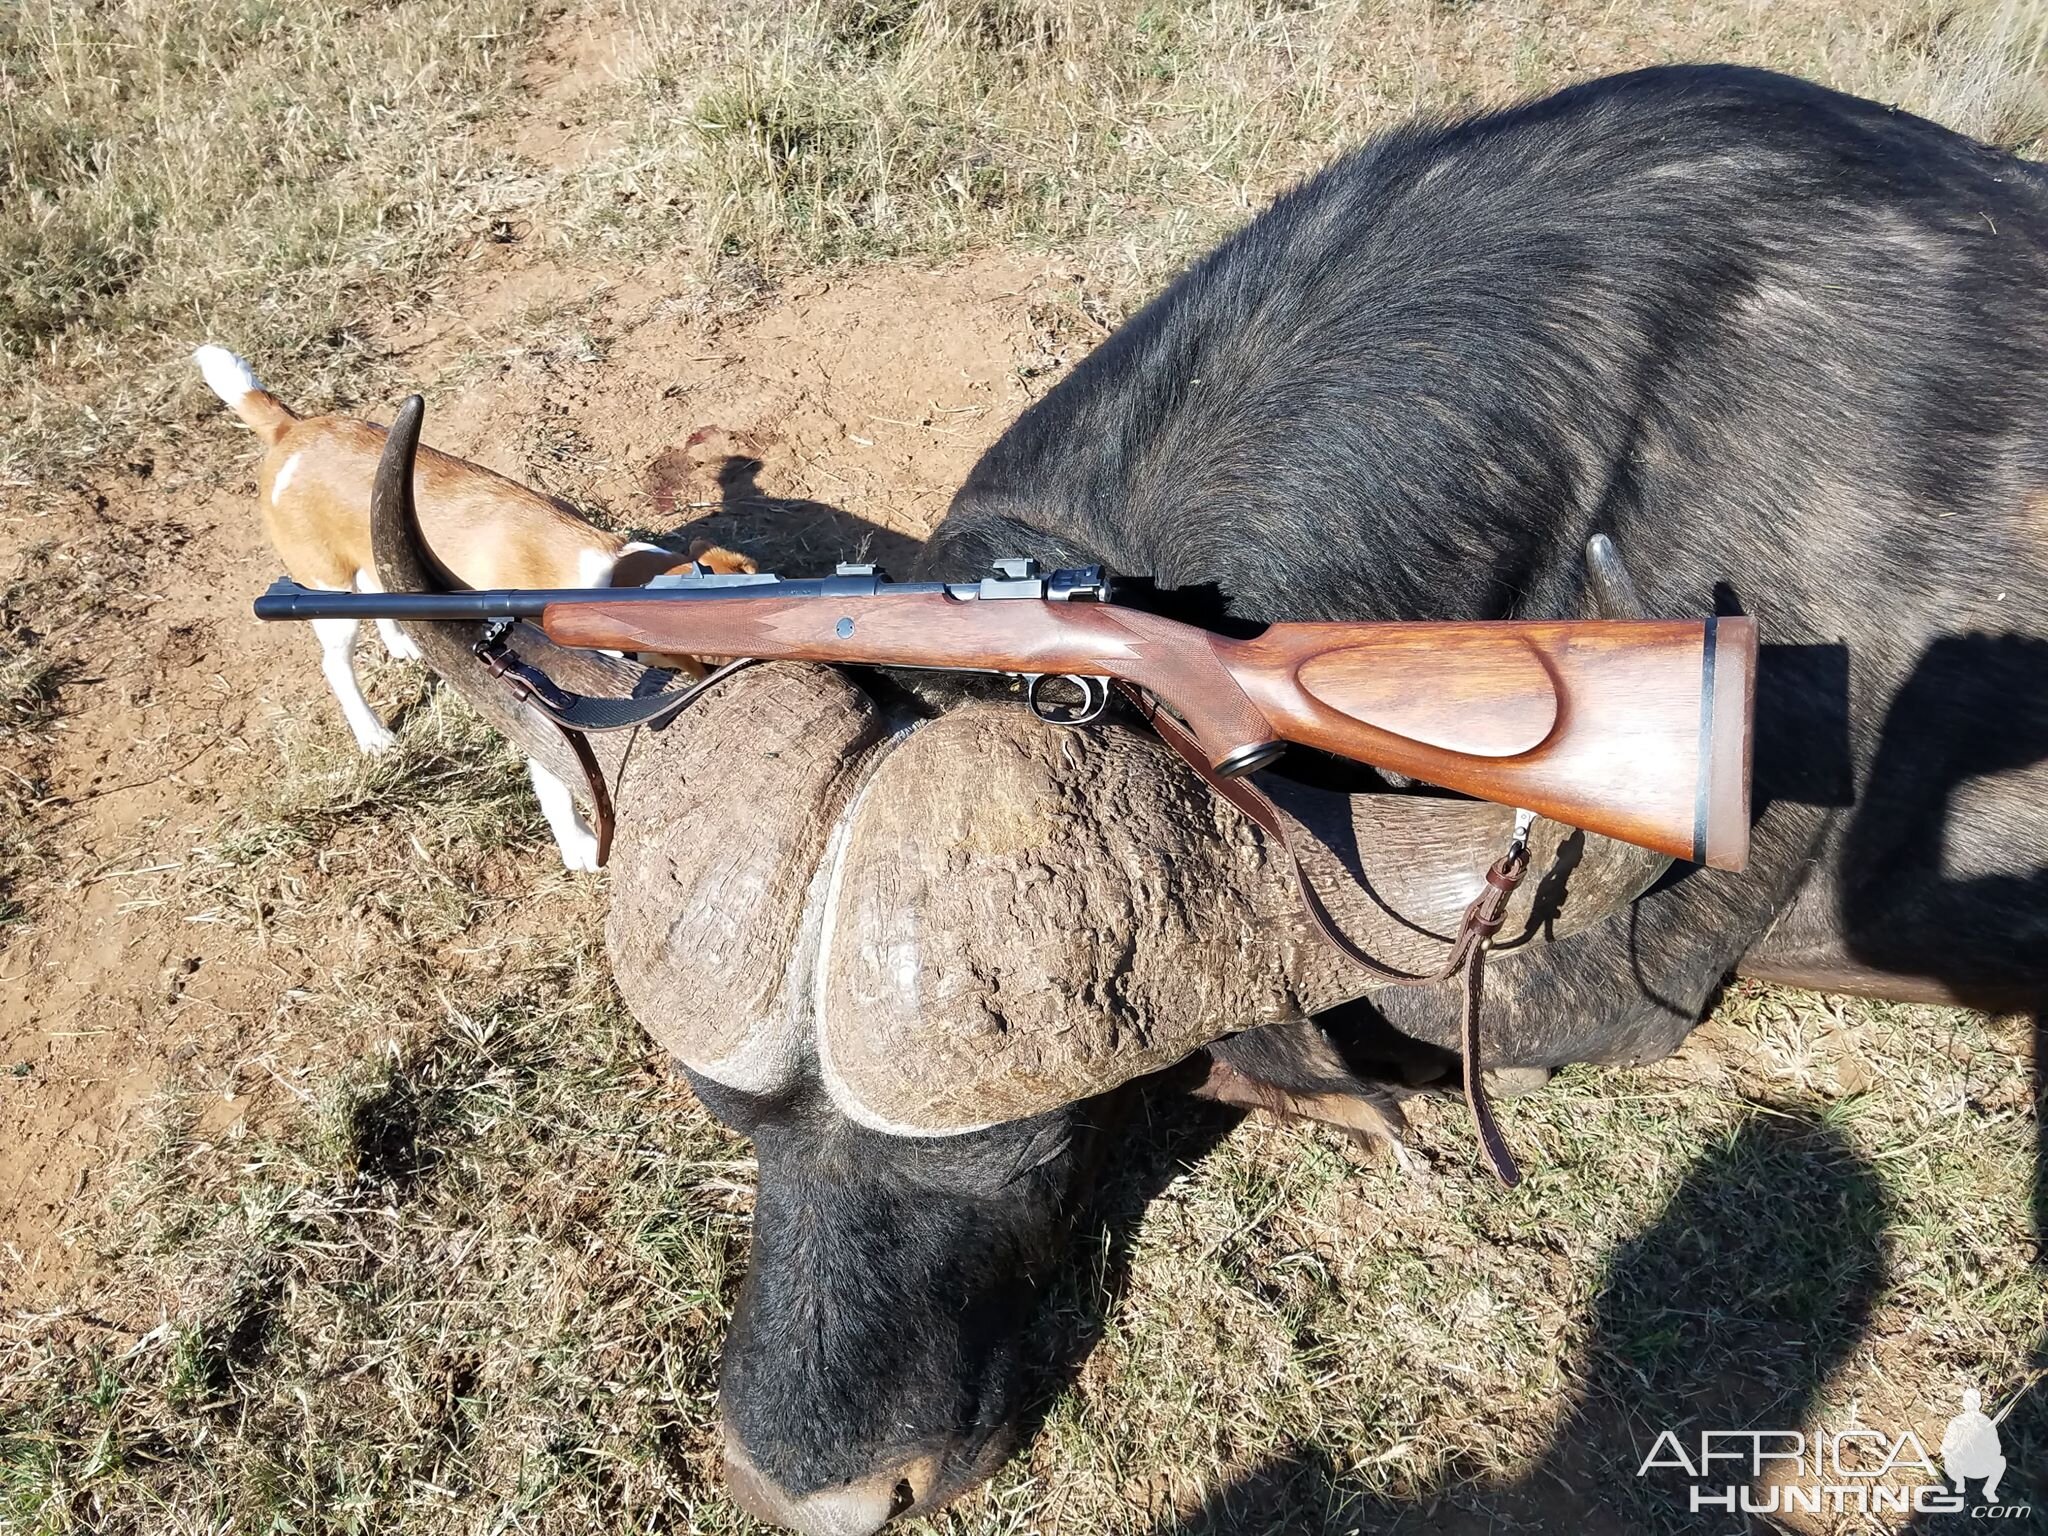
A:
(1636, 729)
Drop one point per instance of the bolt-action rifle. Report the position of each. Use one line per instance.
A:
(1636, 729)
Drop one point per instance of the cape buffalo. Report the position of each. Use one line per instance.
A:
(1784, 347)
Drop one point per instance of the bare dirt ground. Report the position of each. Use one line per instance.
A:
(871, 395)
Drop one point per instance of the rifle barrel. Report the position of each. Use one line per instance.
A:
(286, 599)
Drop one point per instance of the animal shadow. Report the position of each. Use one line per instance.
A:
(788, 534)
(1729, 1312)
(1947, 862)
(1145, 1135)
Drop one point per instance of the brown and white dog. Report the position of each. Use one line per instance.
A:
(482, 529)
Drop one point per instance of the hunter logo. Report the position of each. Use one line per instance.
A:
(1856, 1470)
(1970, 1448)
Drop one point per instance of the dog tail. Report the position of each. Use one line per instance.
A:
(236, 383)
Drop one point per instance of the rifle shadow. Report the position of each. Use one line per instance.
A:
(1730, 1312)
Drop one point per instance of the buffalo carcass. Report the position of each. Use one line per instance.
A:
(1785, 347)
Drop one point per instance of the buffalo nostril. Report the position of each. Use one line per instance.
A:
(858, 1508)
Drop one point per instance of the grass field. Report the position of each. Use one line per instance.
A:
(408, 1228)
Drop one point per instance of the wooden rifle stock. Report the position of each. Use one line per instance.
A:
(1636, 729)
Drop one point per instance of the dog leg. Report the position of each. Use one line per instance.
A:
(572, 833)
(338, 664)
(397, 643)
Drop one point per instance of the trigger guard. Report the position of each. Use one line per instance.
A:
(1094, 699)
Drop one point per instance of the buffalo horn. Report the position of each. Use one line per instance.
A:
(1022, 917)
(405, 565)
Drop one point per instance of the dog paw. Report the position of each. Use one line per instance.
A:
(579, 851)
(398, 645)
(373, 742)
(721, 561)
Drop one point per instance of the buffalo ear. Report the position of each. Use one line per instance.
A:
(1291, 1070)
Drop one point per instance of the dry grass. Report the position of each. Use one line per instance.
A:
(409, 836)
(483, 1279)
(168, 166)
(479, 1284)
(1982, 70)
(1699, 1243)
(172, 170)
(485, 1271)
(842, 130)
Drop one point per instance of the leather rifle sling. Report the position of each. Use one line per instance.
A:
(1481, 921)
(582, 712)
